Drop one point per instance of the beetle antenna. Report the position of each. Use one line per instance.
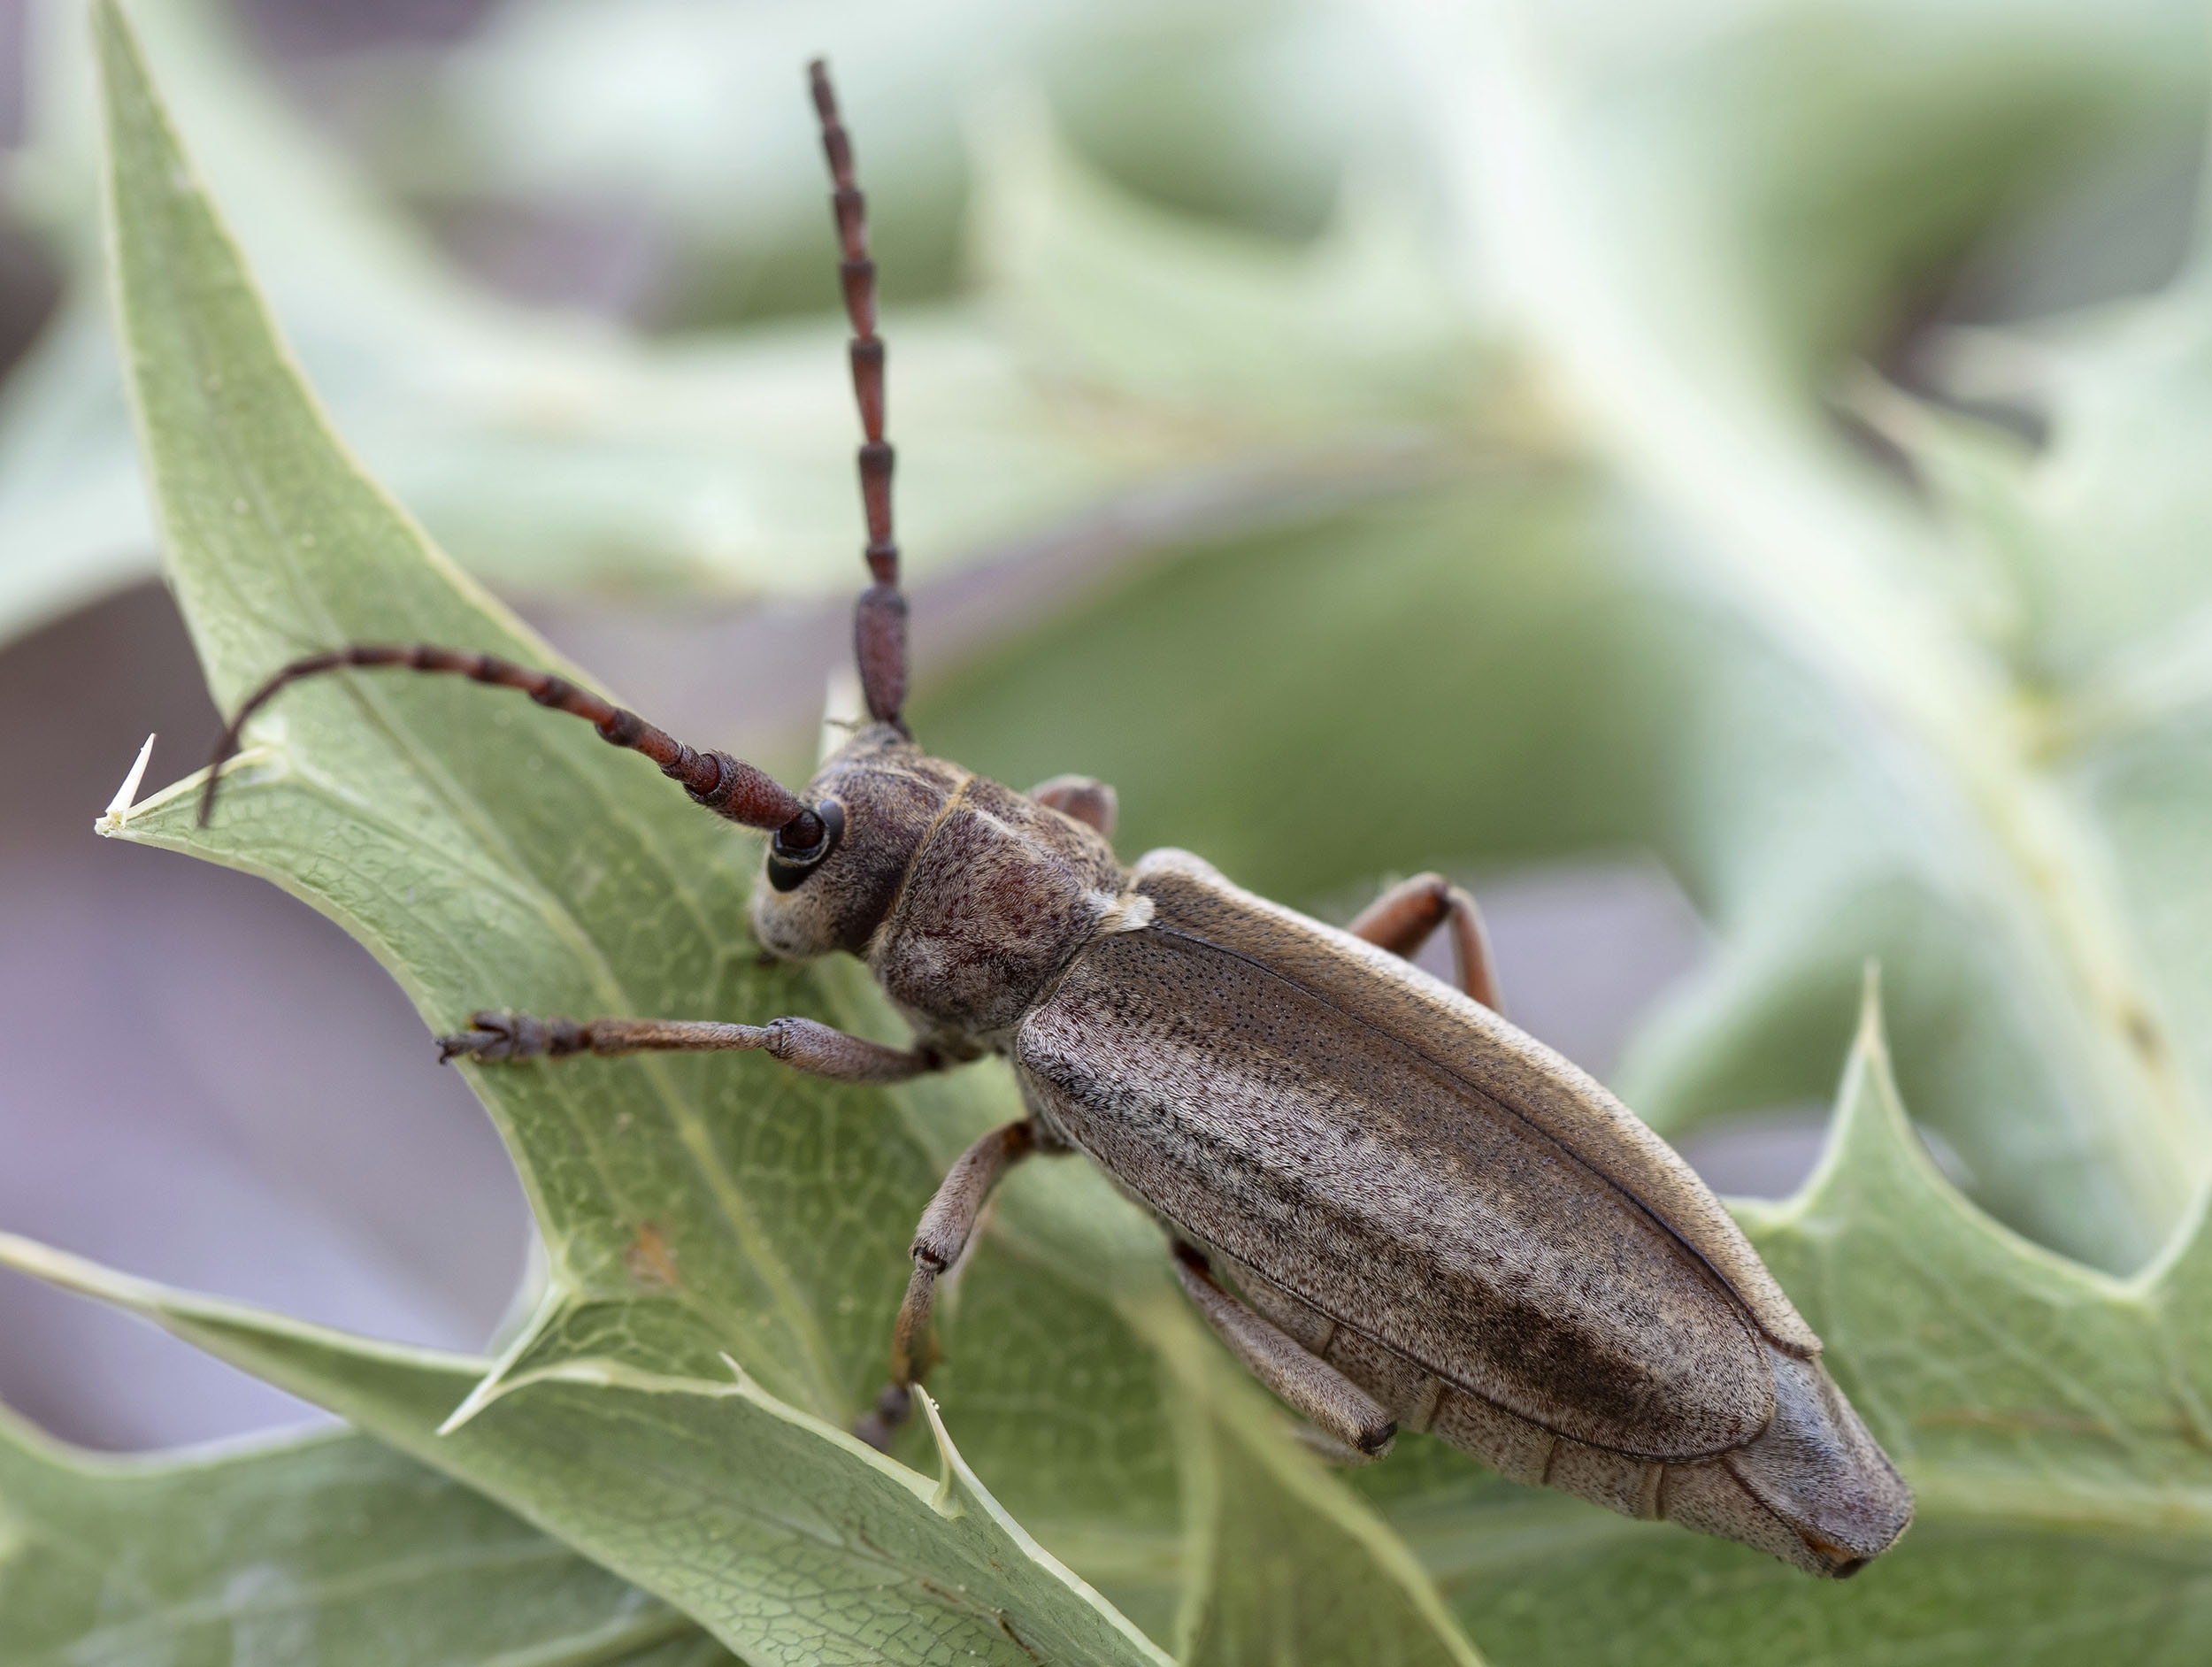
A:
(735, 790)
(879, 621)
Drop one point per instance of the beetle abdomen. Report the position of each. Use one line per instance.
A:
(1517, 1073)
(1385, 1191)
(1812, 1488)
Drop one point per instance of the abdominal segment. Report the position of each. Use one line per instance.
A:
(1812, 1488)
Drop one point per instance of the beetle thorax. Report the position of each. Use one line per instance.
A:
(966, 898)
(1001, 896)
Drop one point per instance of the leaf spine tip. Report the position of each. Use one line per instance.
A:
(120, 807)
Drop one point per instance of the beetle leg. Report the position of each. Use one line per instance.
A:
(1402, 918)
(1328, 1450)
(1338, 1407)
(939, 1239)
(1086, 798)
(801, 1044)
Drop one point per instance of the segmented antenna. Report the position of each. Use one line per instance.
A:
(715, 780)
(879, 621)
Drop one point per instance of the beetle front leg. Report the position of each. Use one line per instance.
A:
(1403, 919)
(801, 1044)
(1332, 1403)
(939, 1239)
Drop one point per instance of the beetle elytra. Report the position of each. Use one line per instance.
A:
(1394, 1208)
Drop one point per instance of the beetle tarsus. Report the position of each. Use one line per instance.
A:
(1342, 1455)
(495, 1038)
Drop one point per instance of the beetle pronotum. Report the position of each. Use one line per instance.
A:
(1393, 1206)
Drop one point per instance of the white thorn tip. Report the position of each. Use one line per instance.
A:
(119, 811)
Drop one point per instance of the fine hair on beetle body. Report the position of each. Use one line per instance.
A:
(1394, 1208)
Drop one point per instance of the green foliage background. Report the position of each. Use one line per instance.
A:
(1514, 498)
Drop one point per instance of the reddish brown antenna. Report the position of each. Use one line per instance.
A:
(879, 621)
(715, 780)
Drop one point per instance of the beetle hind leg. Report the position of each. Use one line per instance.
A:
(1405, 916)
(1337, 1454)
(1336, 1407)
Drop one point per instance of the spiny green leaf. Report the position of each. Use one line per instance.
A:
(789, 1540)
(1284, 1566)
(2094, 544)
(550, 451)
(762, 1195)
(689, 1214)
(1235, 342)
(2100, 530)
(333, 1548)
(2012, 1381)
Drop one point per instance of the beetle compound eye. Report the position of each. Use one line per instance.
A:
(789, 863)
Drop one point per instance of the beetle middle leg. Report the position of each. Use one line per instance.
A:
(1339, 1408)
(1403, 919)
(939, 1239)
(801, 1044)
(1086, 798)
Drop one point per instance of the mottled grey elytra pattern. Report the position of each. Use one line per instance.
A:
(1441, 1222)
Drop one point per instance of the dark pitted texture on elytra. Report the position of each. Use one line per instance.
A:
(1550, 1094)
(1390, 1193)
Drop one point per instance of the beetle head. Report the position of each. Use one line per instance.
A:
(875, 798)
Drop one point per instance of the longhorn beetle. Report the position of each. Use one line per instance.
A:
(1394, 1207)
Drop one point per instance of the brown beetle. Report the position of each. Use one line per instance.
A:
(1395, 1208)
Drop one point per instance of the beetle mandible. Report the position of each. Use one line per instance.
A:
(1394, 1207)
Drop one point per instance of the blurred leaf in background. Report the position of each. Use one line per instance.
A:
(552, 450)
(680, 105)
